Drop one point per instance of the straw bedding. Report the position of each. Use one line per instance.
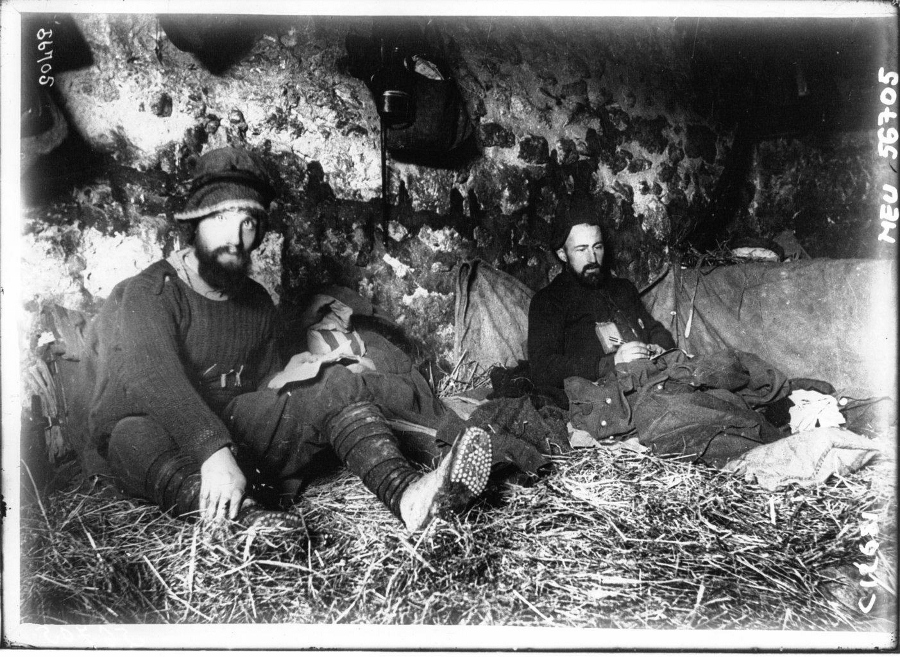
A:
(611, 539)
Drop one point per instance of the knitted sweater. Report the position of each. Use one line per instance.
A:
(562, 341)
(166, 352)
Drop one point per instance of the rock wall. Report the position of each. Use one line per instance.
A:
(827, 189)
(598, 105)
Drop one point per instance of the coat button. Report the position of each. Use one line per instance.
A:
(602, 423)
(608, 400)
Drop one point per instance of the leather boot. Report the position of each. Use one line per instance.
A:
(173, 482)
(363, 441)
(255, 518)
(461, 476)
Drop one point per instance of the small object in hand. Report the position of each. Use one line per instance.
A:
(659, 351)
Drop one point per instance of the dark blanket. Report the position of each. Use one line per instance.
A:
(521, 435)
(517, 382)
(703, 409)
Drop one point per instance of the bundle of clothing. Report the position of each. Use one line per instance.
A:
(729, 410)
(708, 408)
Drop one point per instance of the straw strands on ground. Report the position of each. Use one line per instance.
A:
(611, 539)
(467, 375)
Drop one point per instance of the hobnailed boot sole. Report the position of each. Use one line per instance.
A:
(255, 518)
(461, 476)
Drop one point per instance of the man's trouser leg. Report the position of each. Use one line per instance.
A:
(362, 439)
(148, 464)
(337, 410)
(277, 434)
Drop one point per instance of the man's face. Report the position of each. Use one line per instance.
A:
(223, 243)
(583, 252)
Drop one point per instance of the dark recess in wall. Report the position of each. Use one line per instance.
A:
(805, 81)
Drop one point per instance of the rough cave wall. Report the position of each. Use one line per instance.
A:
(598, 105)
(827, 189)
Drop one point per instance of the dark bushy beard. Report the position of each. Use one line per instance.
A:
(592, 276)
(225, 278)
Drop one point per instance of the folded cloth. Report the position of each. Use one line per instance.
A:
(516, 381)
(333, 331)
(462, 405)
(710, 426)
(869, 416)
(805, 458)
(306, 366)
(813, 409)
(329, 340)
(580, 437)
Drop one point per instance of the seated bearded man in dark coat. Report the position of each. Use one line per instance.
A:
(586, 321)
(181, 413)
(589, 327)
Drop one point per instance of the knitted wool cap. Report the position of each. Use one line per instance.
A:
(575, 210)
(226, 179)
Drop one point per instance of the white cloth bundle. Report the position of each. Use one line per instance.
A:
(812, 409)
(329, 340)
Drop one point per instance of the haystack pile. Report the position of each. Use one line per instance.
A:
(612, 539)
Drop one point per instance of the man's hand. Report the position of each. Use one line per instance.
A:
(300, 359)
(362, 365)
(633, 351)
(222, 485)
(299, 367)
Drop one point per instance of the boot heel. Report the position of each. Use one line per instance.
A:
(254, 518)
(470, 464)
(461, 476)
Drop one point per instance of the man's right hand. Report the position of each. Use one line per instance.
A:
(632, 351)
(298, 368)
(222, 486)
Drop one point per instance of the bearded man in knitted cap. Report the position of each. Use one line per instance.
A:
(182, 413)
(586, 321)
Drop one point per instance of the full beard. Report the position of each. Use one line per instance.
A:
(592, 276)
(227, 278)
